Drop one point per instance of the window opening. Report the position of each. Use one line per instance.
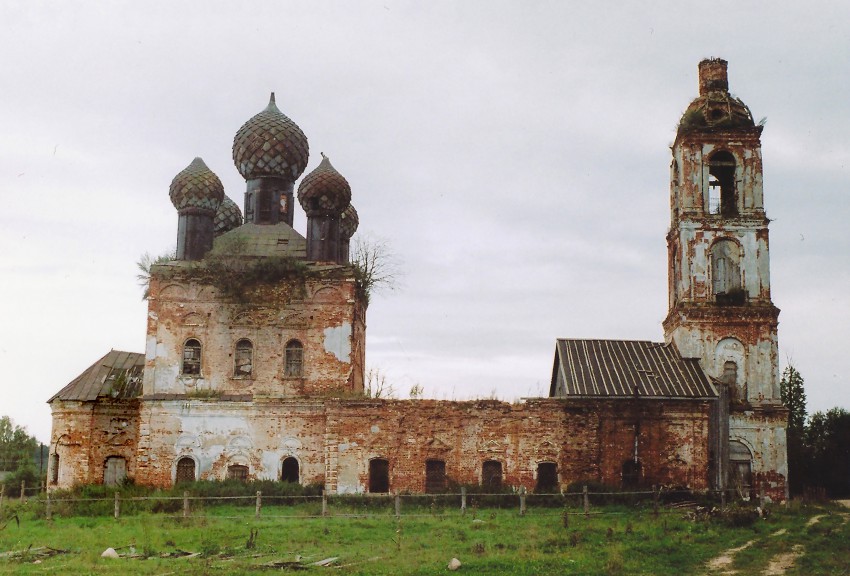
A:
(244, 360)
(185, 470)
(54, 468)
(265, 206)
(115, 471)
(289, 470)
(631, 473)
(435, 476)
(722, 196)
(491, 474)
(726, 273)
(294, 359)
(547, 478)
(237, 472)
(192, 357)
(740, 469)
(379, 475)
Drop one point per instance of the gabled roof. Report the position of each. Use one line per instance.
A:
(626, 369)
(261, 240)
(116, 375)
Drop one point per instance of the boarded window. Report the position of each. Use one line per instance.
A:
(54, 468)
(379, 475)
(192, 357)
(244, 360)
(289, 470)
(726, 273)
(237, 472)
(435, 476)
(740, 468)
(294, 367)
(547, 478)
(185, 470)
(631, 474)
(114, 471)
(491, 474)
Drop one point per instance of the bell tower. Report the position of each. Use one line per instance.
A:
(720, 309)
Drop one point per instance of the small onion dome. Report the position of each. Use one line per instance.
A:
(270, 145)
(196, 187)
(324, 191)
(348, 222)
(228, 217)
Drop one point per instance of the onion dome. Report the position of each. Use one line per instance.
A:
(227, 217)
(715, 109)
(348, 222)
(270, 145)
(196, 187)
(324, 191)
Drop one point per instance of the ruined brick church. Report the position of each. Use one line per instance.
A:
(254, 359)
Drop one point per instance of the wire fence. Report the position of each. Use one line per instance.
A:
(585, 502)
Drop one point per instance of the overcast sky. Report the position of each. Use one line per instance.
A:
(515, 155)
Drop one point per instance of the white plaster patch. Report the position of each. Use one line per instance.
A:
(375, 429)
(338, 342)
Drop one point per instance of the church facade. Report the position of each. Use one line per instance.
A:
(254, 359)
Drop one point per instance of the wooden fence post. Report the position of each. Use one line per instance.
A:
(324, 503)
(23, 489)
(522, 501)
(117, 508)
(48, 513)
(2, 493)
(185, 503)
(586, 500)
(259, 506)
(397, 506)
(463, 500)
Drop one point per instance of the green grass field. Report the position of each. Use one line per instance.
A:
(612, 540)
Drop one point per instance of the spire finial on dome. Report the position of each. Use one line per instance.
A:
(271, 99)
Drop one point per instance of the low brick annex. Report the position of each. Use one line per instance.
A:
(254, 355)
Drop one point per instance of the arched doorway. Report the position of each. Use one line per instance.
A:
(289, 470)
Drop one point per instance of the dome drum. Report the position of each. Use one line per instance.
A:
(269, 201)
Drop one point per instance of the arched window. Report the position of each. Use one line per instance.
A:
(491, 474)
(379, 475)
(435, 476)
(289, 470)
(192, 357)
(547, 478)
(294, 362)
(185, 470)
(114, 470)
(243, 362)
(740, 468)
(726, 273)
(54, 468)
(730, 373)
(237, 472)
(722, 196)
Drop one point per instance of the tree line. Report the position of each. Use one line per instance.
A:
(818, 446)
(20, 457)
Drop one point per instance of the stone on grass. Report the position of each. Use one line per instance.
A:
(109, 553)
(454, 564)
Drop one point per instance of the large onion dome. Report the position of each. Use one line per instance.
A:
(348, 222)
(227, 217)
(270, 145)
(324, 191)
(715, 109)
(196, 186)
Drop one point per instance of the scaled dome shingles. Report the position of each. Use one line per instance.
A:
(348, 222)
(227, 217)
(324, 191)
(270, 145)
(196, 186)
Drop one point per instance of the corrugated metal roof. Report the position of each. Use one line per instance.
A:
(626, 368)
(116, 375)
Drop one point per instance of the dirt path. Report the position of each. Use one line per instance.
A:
(721, 563)
(782, 562)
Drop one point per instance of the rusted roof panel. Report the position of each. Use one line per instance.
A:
(627, 368)
(116, 375)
